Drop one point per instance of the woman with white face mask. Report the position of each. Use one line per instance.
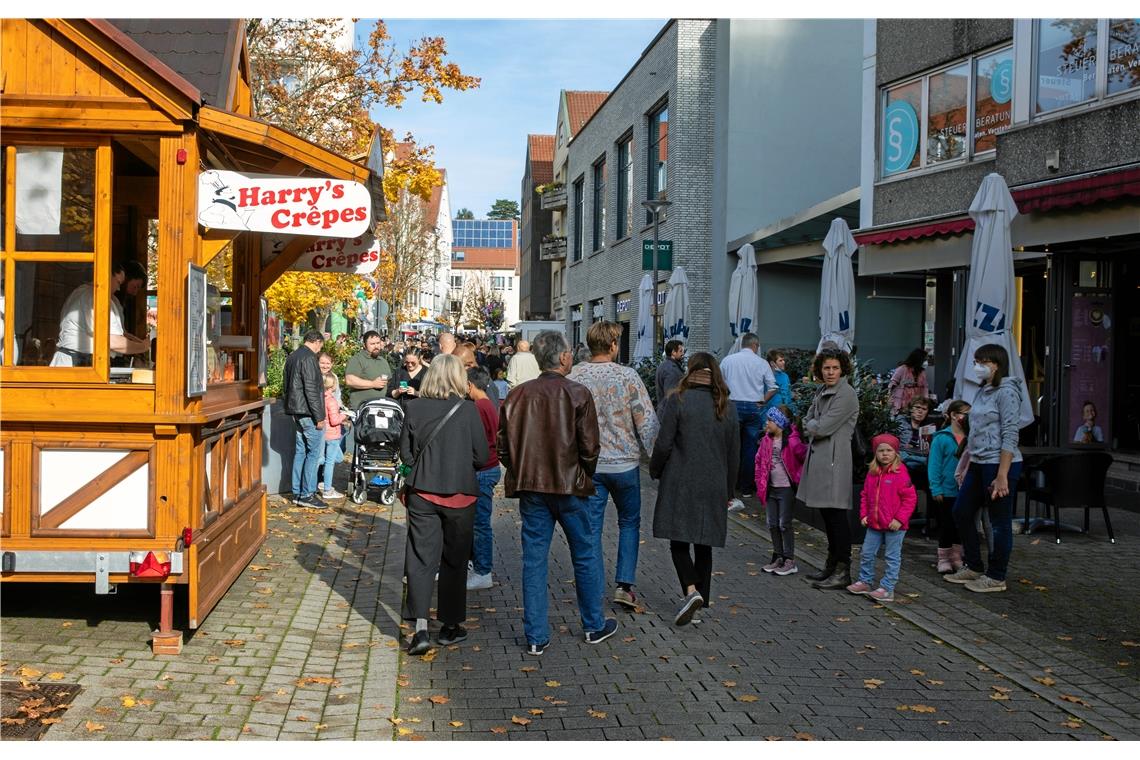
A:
(994, 467)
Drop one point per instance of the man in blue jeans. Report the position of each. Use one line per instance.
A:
(304, 394)
(751, 384)
(628, 426)
(483, 543)
(548, 443)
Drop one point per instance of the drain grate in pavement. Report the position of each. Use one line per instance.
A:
(26, 712)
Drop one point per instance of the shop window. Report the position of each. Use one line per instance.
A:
(55, 199)
(1123, 54)
(955, 113)
(53, 314)
(1066, 62)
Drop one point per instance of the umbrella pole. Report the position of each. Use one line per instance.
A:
(656, 219)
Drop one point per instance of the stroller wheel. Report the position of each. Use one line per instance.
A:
(359, 493)
(388, 496)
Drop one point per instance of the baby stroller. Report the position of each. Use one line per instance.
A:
(376, 460)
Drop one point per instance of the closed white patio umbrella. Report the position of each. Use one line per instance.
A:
(742, 296)
(643, 349)
(678, 315)
(837, 288)
(990, 290)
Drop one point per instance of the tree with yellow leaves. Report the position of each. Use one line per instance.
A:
(410, 255)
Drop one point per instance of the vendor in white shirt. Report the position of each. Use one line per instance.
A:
(751, 383)
(77, 319)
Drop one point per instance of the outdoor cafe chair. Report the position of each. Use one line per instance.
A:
(1072, 481)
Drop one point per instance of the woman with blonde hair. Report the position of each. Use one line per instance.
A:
(443, 442)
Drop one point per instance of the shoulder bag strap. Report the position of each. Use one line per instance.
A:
(435, 431)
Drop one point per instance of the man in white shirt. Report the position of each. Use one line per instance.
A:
(523, 366)
(750, 384)
(77, 320)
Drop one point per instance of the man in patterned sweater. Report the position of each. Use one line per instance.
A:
(627, 425)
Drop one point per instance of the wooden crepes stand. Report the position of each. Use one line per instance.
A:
(145, 474)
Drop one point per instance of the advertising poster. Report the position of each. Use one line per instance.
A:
(1090, 350)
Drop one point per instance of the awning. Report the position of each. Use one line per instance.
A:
(1038, 197)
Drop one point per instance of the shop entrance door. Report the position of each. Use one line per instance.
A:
(1126, 378)
(1088, 328)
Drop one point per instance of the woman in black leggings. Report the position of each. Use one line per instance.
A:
(825, 483)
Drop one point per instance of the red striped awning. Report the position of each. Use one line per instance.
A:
(1058, 195)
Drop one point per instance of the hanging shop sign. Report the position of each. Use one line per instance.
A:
(287, 205)
(358, 255)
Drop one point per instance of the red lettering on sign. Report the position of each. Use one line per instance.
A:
(247, 196)
(280, 218)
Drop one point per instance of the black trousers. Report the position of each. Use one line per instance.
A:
(693, 573)
(947, 528)
(438, 538)
(838, 534)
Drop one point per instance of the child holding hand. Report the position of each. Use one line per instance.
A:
(886, 506)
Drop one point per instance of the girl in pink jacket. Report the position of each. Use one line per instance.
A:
(779, 461)
(888, 502)
(334, 420)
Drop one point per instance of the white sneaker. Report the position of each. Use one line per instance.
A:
(332, 493)
(736, 505)
(321, 487)
(477, 582)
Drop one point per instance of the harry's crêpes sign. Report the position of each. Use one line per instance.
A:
(285, 205)
(359, 255)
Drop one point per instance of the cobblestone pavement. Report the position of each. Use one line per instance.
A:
(304, 646)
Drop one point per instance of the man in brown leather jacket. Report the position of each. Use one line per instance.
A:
(549, 443)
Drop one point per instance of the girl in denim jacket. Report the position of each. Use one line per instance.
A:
(885, 508)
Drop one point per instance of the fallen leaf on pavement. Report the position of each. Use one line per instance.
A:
(395, 721)
(403, 682)
(55, 676)
(27, 672)
(1045, 680)
(944, 723)
(128, 701)
(1064, 638)
(234, 642)
(92, 726)
(498, 729)
(596, 714)
(872, 683)
(934, 682)
(15, 721)
(728, 684)
(415, 700)
(303, 718)
(455, 723)
(431, 655)
(999, 696)
(520, 721)
(552, 684)
(1075, 700)
(628, 639)
(748, 698)
(439, 699)
(916, 708)
(774, 738)
(1073, 724)
(231, 681)
(535, 711)
(528, 669)
(1130, 643)
(404, 731)
(917, 672)
(843, 619)
(50, 721)
(318, 680)
(804, 736)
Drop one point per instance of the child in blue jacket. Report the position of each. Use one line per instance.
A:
(945, 448)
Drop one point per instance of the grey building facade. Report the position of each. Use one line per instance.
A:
(1053, 106)
(535, 223)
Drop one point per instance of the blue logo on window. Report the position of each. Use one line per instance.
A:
(900, 136)
(1001, 81)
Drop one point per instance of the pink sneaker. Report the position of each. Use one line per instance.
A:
(882, 595)
(859, 587)
(774, 565)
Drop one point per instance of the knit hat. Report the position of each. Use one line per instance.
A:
(886, 438)
(775, 415)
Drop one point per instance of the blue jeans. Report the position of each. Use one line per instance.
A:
(891, 541)
(751, 422)
(972, 496)
(308, 449)
(540, 512)
(625, 487)
(333, 455)
(484, 545)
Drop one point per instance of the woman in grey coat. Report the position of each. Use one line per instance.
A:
(695, 458)
(826, 480)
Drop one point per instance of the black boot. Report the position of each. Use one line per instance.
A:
(825, 573)
(841, 578)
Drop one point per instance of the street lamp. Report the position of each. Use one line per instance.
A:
(655, 206)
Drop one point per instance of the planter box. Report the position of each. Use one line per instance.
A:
(553, 200)
(552, 250)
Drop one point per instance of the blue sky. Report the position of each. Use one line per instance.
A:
(480, 135)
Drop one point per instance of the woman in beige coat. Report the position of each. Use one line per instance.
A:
(826, 480)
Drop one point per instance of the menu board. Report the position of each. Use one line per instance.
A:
(263, 345)
(195, 331)
(1090, 415)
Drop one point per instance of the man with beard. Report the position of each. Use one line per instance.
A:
(368, 371)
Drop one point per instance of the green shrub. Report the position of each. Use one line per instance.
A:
(647, 370)
(275, 373)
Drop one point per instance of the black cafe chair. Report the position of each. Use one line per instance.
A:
(1073, 481)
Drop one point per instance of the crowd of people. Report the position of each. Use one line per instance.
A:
(567, 432)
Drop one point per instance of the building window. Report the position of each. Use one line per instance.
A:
(953, 113)
(458, 255)
(625, 188)
(579, 210)
(457, 281)
(657, 157)
(499, 282)
(1069, 58)
(600, 204)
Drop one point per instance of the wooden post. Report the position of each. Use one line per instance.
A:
(166, 640)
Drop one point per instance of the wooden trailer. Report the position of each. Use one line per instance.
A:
(113, 137)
